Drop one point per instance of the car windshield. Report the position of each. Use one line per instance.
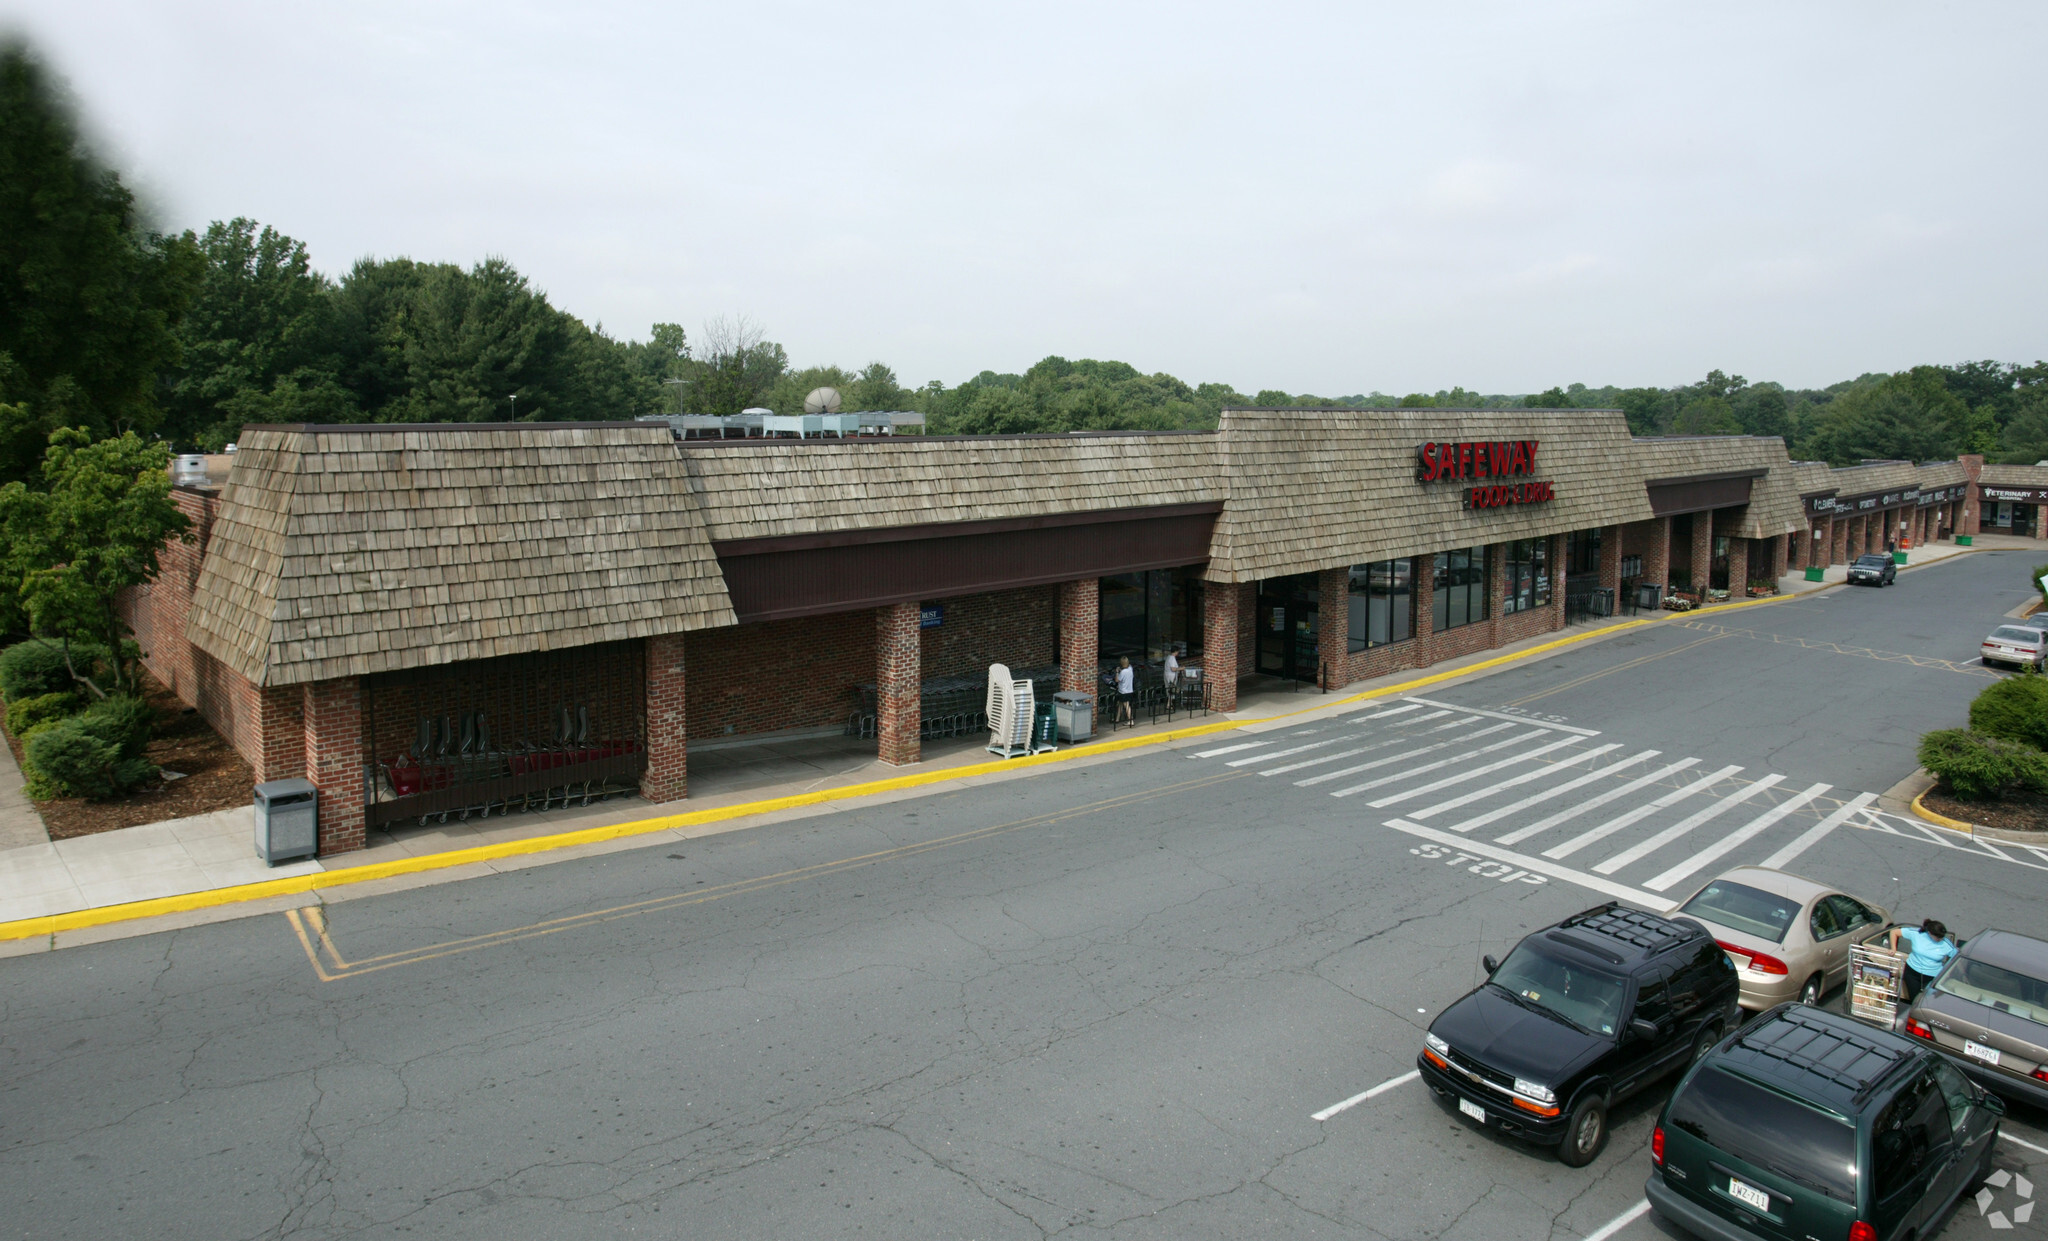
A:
(1740, 907)
(1981, 982)
(1873, 562)
(1587, 998)
(1770, 1130)
(2016, 635)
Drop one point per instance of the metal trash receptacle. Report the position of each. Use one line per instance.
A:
(287, 820)
(1649, 595)
(1603, 601)
(1074, 713)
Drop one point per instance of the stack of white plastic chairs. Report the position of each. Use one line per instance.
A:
(1011, 707)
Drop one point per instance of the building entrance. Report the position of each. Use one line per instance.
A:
(1287, 626)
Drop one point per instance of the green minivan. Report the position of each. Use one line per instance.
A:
(1807, 1126)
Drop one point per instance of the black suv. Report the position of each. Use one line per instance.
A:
(1873, 570)
(1808, 1124)
(1578, 1016)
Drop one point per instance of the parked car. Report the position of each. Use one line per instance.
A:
(1580, 1015)
(1874, 569)
(2016, 645)
(1988, 1012)
(2037, 620)
(1787, 937)
(1808, 1124)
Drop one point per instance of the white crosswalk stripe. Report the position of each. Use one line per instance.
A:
(1669, 820)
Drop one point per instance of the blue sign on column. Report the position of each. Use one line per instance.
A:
(931, 616)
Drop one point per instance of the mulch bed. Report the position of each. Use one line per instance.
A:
(2026, 812)
(216, 778)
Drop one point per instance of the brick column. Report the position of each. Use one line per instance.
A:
(1657, 560)
(1738, 567)
(1702, 551)
(1557, 579)
(279, 733)
(1422, 573)
(1838, 540)
(1081, 634)
(1797, 545)
(1610, 562)
(1971, 519)
(899, 673)
(1219, 642)
(333, 711)
(1333, 627)
(1496, 589)
(1857, 526)
(667, 777)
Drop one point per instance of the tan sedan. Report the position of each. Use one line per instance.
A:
(1788, 937)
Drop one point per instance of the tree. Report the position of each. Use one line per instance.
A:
(1910, 416)
(90, 298)
(735, 368)
(93, 530)
(1553, 399)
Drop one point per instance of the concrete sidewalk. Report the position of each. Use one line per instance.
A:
(215, 852)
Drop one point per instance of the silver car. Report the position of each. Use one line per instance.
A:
(2018, 645)
(1788, 937)
(1988, 1012)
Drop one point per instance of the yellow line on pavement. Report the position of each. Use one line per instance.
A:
(265, 889)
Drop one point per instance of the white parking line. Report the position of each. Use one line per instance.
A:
(1320, 759)
(2022, 1142)
(1232, 749)
(1524, 778)
(1644, 848)
(1729, 842)
(1602, 832)
(1461, 777)
(1620, 1221)
(1519, 719)
(1572, 812)
(1413, 706)
(1442, 762)
(1299, 749)
(1363, 1095)
(1341, 772)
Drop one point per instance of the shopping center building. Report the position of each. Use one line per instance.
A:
(425, 618)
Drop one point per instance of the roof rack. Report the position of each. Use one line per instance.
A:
(1648, 931)
(1824, 1043)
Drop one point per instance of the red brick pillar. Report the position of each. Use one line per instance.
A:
(333, 711)
(1610, 562)
(1738, 567)
(1219, 642)
(1796, 546)
(1855, 547)
(1557, 580)
(1422, 572)
(1702, 551)
(1838, 540)
(280, 732)
(1657, 559)
(1333, 627)
(899, 675)
(1081, 634)
(1496, 590)
(667, 777)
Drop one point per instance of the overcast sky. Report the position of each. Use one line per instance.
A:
(1328, 199)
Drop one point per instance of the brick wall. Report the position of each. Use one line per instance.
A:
(1015, 627)
(156, 612)
(334, 759)
(1080, 619)
(667, 774)
(777, 674)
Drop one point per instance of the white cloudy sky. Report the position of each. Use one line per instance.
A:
(1321, 198)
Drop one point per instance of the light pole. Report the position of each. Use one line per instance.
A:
(515, 407)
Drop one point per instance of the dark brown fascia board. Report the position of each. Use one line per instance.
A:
(371, 428)
(1705, 478)
(914, 437)
(956, 529)
(880, 601)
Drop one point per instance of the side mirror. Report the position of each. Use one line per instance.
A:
(1644, 1029)
(1490, 964)
(1992, 1103)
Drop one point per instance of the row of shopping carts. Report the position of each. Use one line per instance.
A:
(947, 706)
(452, 768)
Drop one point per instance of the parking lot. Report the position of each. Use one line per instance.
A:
(1175, 995)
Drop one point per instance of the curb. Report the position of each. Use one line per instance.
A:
(267, 889)
(1941, 820)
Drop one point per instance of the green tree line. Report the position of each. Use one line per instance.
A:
(112, 326)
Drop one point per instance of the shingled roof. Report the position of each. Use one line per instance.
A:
(341, 551)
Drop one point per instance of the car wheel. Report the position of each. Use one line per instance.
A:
(1586, 1136)
(1811, 992)
(1709, 1035)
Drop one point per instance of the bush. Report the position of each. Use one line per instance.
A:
(2040, 571)
(36, 667)
(1977, 768)
(29, 712)
(2014, 709)
(121, 722)
(73, 761)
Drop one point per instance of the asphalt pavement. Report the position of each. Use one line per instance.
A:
(1170, 996)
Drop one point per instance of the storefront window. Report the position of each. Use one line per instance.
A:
(1143, 613)
(1582, 554)
(1460, 588)
(1528, 570)
(1382, 603)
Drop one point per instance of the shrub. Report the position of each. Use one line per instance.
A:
(2014, 709)
(2040, 571)
(1976, 767)
(26, 713)
(36, 667)
(73, 761)
(121, 722)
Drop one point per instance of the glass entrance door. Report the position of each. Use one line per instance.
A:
(1289, 623)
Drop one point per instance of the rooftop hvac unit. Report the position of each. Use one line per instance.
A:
(1012, 710)
(190, 470)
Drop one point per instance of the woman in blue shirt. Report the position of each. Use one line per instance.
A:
(1928, 950)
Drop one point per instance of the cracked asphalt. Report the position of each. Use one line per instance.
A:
(1111, 1020)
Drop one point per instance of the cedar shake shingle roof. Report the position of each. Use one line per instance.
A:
(346, 551)
(788, 487)
(2014, 475)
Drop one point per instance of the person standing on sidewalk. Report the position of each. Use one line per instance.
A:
(1928, 951)
(1126, 689)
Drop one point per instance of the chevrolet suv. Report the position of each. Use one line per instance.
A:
(1808, 1124)
(1579, 1016)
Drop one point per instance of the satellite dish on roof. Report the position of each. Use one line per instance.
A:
(822, 401)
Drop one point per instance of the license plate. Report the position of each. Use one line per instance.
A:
(1979, 1051)
(1750, 1194)
(1473, 1110)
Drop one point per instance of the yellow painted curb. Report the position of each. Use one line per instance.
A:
(54, 924)
(1940, 820)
